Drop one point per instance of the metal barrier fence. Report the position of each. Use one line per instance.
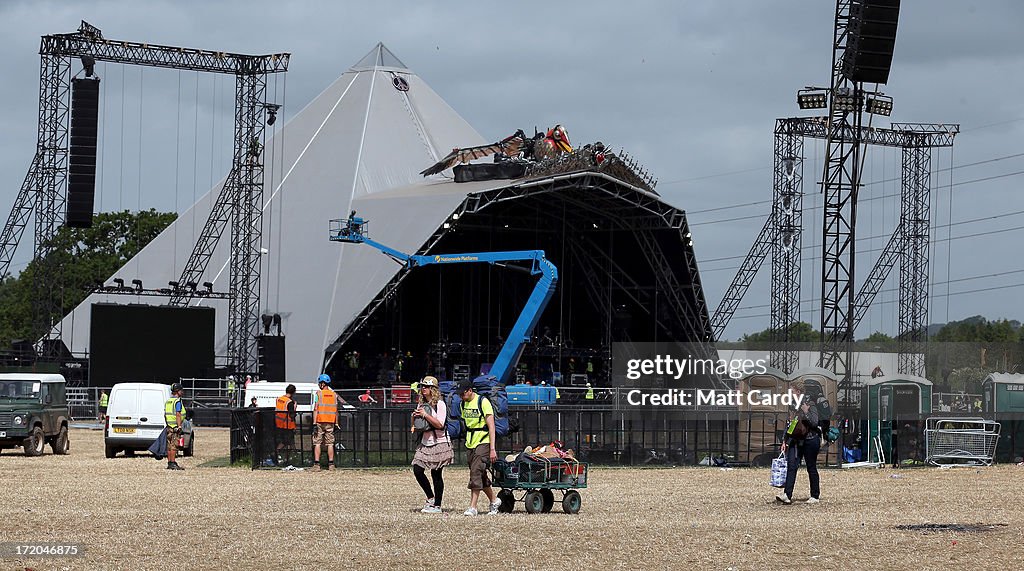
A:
(378, 437)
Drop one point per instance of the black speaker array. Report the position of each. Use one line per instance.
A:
(871, 39)
(85, 100)
(270, 357)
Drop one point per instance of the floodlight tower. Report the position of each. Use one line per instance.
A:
(863, 41)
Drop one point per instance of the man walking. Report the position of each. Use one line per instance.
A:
(325, 415)
(174, 416)
(478, 415)
(104, 401)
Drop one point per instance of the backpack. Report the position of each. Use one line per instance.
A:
(488, 387)
(820, 402)
(453, 424)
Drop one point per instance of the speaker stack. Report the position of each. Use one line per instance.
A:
(85, 99)
(871, 37)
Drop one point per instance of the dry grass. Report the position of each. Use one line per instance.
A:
(125, 510)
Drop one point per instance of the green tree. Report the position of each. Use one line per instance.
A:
(81, 257)
(799, 333)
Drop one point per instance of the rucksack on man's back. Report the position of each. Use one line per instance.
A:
(487, 386)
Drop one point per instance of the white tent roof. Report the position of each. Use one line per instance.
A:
(358, 138)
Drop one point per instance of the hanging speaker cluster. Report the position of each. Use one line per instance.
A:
(85, 99)
(871, 38)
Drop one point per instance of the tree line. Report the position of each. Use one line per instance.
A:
(81, 257)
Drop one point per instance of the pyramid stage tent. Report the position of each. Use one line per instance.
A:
(625, 258)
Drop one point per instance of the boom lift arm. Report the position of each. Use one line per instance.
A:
(353, 230)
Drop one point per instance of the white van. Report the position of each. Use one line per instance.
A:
(266, 394)
(135, 417)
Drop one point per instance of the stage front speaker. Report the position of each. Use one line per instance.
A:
(270, 357)
(85, 99)
(871, 37)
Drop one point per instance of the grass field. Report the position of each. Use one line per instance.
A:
(131, 513)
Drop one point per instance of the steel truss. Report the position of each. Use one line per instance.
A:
(599, 194)
(915, 221)
(787, 213)
(241, 200)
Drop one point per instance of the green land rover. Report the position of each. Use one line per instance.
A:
(33, 413)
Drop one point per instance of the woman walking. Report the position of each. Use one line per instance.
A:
(434, 451)
(803, 442)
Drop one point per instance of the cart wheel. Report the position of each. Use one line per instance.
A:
(534, 502)
(571, 502)
(508, 501)
(549, 499)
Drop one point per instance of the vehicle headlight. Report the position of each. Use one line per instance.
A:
(19, 420)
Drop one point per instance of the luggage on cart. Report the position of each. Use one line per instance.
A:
(537, 478)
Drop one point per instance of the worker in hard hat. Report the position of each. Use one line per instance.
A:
(325, 417)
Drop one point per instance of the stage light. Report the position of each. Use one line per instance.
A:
(455, 216)
(89, 63)
(137, 284)
(878, 104)
(844, 99)
(119, 282)
(191, 286)
(266, 319)
(208, 286)
(812, 98)
(271, 112)
(446, 226)
(174, 285)
(789, 164)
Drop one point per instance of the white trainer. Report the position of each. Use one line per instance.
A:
(431, 510)
(470, 511)
(813, 500)
(493, 508)
(784, 499)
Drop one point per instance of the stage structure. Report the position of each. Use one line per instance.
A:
(865, 32)
(625, 256)
(627, 273)
(240, 202)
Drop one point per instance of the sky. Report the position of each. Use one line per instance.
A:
(690, 89)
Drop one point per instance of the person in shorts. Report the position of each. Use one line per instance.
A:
(325, 415)
(478, 415)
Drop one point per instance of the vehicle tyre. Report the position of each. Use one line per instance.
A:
(508, 501)
(61, 444)
(534, 502)
(187, 451)
(35, 442)
(110, 451)
(571, 502)
(549, 500)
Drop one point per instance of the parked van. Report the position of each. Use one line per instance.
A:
(33, 412)
(266, 394)
(135, 418)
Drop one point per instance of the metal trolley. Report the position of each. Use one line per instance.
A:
(960, 441)
(538, 478)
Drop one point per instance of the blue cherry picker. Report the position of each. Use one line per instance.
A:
(537, 477)
(353, 230)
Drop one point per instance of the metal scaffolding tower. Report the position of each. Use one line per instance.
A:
(844, 133)
(787, 213)
(241, 199)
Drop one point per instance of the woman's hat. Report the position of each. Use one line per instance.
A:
(428, 382)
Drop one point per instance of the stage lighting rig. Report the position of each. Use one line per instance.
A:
(812, 98)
